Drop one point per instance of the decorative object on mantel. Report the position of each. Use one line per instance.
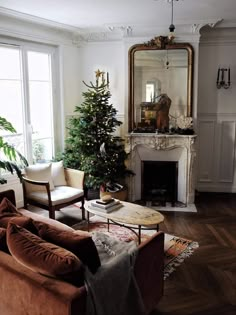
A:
(184, 125)
(220, 82)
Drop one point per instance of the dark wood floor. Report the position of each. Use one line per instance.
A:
(205, 284)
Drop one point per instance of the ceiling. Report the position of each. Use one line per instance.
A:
(129, 15)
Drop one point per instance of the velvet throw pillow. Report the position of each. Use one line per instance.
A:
(43, 257)
(81, 244)
(7, 212)
(7, 207)
(3, 240)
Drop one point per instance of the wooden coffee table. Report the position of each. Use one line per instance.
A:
(128, 214)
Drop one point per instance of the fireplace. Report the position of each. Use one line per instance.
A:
(179, 149)
(159, 182)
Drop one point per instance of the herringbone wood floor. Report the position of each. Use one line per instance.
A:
(205, 284)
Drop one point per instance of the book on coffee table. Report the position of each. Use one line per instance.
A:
(111, 208)
(96, 203)
(105, 202)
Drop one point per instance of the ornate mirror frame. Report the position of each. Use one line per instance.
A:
(158, 43)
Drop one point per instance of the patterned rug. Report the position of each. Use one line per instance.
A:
(176, 249)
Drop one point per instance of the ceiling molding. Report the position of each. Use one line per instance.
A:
(38, 20)
(33, 27)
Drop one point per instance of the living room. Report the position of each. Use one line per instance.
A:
(86, 42)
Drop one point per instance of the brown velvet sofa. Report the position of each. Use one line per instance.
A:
(23, 291)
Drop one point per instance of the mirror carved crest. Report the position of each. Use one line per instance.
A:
(160, 84)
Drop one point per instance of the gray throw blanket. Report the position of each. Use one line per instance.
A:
(113, 289)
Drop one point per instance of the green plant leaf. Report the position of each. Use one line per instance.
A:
(6, 125)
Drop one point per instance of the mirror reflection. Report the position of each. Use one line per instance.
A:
(161, 84)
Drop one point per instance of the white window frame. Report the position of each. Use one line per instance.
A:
(57, 112)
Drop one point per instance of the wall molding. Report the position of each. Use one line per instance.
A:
(216, 152)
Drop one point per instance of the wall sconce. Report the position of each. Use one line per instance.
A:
(221, 78)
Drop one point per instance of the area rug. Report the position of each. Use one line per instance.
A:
(177, 249)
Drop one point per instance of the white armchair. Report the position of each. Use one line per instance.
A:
(52, 187)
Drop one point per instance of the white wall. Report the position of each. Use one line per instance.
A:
(216, 113)
(108, 57)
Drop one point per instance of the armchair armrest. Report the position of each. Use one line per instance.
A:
(26, 181)
(36, 182)
(74, 178)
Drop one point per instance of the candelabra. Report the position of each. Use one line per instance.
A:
(221, 78)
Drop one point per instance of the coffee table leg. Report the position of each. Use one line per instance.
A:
(108, 225)
(157, 227)
(88, 221)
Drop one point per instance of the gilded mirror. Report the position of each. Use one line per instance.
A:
(160, 72)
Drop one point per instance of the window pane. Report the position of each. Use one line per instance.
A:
(40, 100)
(42, 150)
(40, 108)
(9, 63)
(11, 104)
(11, 95)
(39, 66)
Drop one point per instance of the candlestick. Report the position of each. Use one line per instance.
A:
(218, 75)
(107, 78)
(222, 75)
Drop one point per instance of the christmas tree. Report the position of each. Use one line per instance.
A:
(91, 145)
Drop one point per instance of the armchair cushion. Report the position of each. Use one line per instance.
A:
(58, 174)
(59, 195)
(39, 172)
(43, 257)
(78, 242)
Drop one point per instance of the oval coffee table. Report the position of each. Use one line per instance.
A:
(128, 214)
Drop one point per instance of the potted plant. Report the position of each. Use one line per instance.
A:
(10, 159)
(91, 145)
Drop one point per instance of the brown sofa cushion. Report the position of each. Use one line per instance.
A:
(7, 212)
(21, 220)
(6, 206)
(81, 244)
(43, 257)
(3, 240)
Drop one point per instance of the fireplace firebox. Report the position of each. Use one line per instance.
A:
(159, 182)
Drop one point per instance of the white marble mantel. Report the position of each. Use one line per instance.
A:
(163, 147)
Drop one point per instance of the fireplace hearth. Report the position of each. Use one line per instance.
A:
(159, 182)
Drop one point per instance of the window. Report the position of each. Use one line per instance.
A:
(26, 94)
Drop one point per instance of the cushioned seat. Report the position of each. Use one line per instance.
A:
(60, 194)
(51, 186)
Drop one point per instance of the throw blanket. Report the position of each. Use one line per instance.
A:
(113, 289)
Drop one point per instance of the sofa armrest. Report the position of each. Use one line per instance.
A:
(149, 270)
(28, 292)
(74, 178)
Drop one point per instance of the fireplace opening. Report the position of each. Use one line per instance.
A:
(159, 182)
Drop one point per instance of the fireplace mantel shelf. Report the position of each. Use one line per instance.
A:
(159, 141)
